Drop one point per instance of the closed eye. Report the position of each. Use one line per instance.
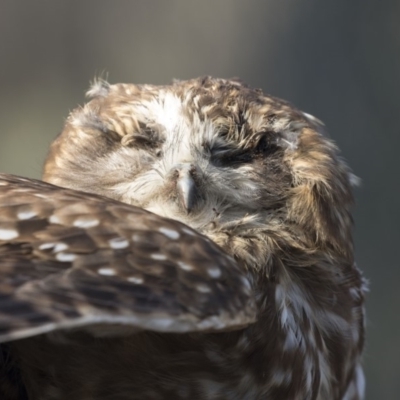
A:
(227, 156)
(224, 155)
(136, 140)
(147, 140)
(266, 146)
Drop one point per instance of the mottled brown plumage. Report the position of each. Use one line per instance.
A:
(109, 301)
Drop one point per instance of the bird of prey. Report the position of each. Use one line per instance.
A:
(188, 241)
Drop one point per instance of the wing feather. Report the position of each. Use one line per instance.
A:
(72, 260)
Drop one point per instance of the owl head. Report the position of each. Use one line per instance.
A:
(246, 169)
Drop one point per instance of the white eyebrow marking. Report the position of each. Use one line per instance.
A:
(172, 234)
(118, 243)
(135, 279)
(65, 257)
(8, 234)
(106, 271)
(26, 214)
(86, 222)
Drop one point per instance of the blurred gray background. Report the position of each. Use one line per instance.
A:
(336, 59)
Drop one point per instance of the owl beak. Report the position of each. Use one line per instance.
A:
(186, 188)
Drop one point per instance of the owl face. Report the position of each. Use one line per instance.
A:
(221, 157)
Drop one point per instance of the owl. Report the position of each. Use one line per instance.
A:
(189, 241)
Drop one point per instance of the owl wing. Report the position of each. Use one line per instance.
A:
(70, 260)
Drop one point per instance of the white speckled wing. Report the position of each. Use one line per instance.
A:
(70, 260)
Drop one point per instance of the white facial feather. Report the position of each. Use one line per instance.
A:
(183, 143)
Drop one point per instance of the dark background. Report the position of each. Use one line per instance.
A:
(336, 59)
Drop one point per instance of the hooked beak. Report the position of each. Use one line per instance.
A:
(186, 188)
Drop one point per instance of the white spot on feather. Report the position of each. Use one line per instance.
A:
(158, 257)
(185, 266)
(188, 231)
(118, 243)
(41, 196)
(170, 233)
(136, 237)
(60, 247)
(65, 257)
(202, 288)
(135, 279)
(46, 246)
(86, 223)
(54, 219)
(246, 283)
(8, 234)
(26, 215)
(106, 271)
(214, 272)
(162, 323)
